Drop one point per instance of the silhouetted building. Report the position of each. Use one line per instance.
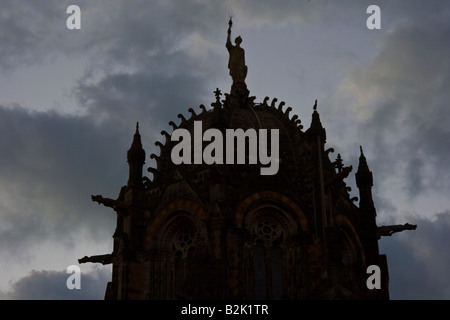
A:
(224, 231)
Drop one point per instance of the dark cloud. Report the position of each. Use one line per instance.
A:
(32, 32)
(152, 100)
(133, 33)
(414, 116)
(50, 165)
(51, 285)
(403, 104)
(419, 260)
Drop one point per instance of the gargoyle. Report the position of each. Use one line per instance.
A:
(103, 259)
(109, 202)
(384, 231)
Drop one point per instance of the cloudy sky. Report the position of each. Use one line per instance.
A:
(70, 99)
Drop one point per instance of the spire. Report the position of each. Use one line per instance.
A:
(363, 175)
(136, 160)
(362, 157)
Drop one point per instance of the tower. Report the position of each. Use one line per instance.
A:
(223, 230)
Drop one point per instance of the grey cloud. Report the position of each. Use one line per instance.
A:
(150, 68)
(51, 285)
(134, 31)
(419, 260)
(128, 32)
(32, 32)
(144, 97)
(50, 165)
(404, 91)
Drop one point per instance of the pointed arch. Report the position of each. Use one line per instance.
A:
(171, 238)
(348, 228)
(274, 197)
(194, 208)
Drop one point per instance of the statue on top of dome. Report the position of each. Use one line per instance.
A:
(236, 62)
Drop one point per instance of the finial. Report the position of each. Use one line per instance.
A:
(338, 164)
(218, 94)
(230, 22)
(362, 157)
(137, 126)
(217, 104)
(315, 105)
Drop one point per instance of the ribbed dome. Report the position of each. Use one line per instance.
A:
(235, 113)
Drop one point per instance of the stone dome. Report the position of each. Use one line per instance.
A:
(236, 112)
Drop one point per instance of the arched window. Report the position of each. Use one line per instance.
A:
(179, 238)
(183, 243)
(274, 247)
(267, 257)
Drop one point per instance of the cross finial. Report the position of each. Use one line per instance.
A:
(217, 104)
(218, 94)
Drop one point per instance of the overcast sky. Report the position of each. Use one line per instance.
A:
(70, 99)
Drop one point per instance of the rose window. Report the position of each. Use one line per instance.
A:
(267, 230)
(184, 239)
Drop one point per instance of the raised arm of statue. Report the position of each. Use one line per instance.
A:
(229, 44)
